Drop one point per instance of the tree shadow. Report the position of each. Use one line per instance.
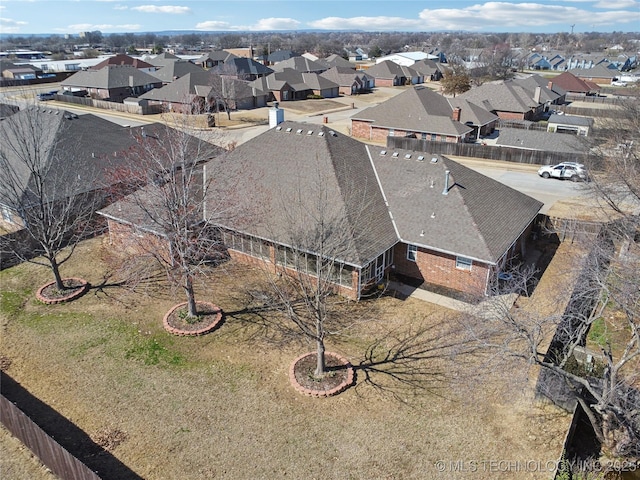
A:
(66, 433)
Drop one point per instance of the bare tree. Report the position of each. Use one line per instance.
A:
(47, 187)
(168, 169)
(607, 287)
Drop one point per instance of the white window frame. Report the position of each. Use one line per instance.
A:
(464, 263)
(412, 253)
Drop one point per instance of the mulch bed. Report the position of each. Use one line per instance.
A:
(339, 377)
(176, 322)
(74, 288)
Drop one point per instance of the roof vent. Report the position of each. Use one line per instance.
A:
(432, 183)
(422, 233)
(433, 215)
(299, 131)
(383, 153)
(310, 132)
(332, 133)
(434, 159)
(278, 128)
(420, 158)
(288, 130)
(321, 134)
(395, 155)
(407, 156)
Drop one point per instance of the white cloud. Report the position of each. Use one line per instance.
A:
(617, 4)
(494, 16)
(88, 27)
(120, 7)
(172, 9)
(264, 24)
(518, 16)
(8, 25)
(213, 25)
(366, 23)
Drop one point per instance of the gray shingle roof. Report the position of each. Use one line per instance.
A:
(176, 69)
(418, 109)
(501, 97)
(301, 64)
(111, 76)
(291, 168)
(241, 66)
(571, 120)
(479, 218)
(537, 140)
(389, 69)
(73, 146)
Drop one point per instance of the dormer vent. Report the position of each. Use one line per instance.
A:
(383, 153)
(407, 156)
(434, 159)
(395, 155)
(420, 158)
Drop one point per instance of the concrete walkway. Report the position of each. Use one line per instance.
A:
(484, 309)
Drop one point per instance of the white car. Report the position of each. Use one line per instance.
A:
(565, 171)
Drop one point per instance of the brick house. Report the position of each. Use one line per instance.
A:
(390, 74)
(289, 84)
(525, 99)
(423, 217)
(422, 113)
(350, 80)
(113, 82)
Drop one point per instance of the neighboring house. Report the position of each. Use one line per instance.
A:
(405, 59)
(390, 74)
(212, 59)
(543, 141)
(277, 56)
(430, 70)
(122, 59)
(299, 64)
(599, 74)
(84, 147)
(290, 84)
(161, 59)
(242, 69)
(197, 92)
(173, 70)
(424, 217)
(580, 126)
(509, 100)
(351, 82)
(20, 72)
(575, 85)
(422, 113)
(113, 82)
(335, 60)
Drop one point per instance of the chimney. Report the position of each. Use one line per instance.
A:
(456, 114)
(446, 182)
(550, 86)
(536, 95)
(131, 81)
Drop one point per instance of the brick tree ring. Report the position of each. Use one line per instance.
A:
(340, 375)
(208, 319)
(74, 288)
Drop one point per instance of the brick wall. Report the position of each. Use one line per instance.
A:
(124, 238)
(440, 269)
(384, 82)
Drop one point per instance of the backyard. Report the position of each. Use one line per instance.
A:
(221, 405)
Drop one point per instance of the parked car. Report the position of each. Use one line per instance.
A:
(565, 171)
(47, 95)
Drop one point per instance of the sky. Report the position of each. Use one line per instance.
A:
(24, 17)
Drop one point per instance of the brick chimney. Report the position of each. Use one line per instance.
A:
(550, 86)
(456, 114)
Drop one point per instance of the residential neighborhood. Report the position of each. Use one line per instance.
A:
(256, 256)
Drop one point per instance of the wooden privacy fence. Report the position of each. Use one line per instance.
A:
(50, 452)
(489, 152)
(106, 105)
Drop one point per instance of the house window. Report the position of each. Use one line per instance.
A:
(463, 263)
(423, 136)
(412, 252)
(392, 132)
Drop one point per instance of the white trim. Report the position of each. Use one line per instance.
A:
(412, 252)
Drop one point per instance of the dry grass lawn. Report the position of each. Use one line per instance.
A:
(220, 406)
